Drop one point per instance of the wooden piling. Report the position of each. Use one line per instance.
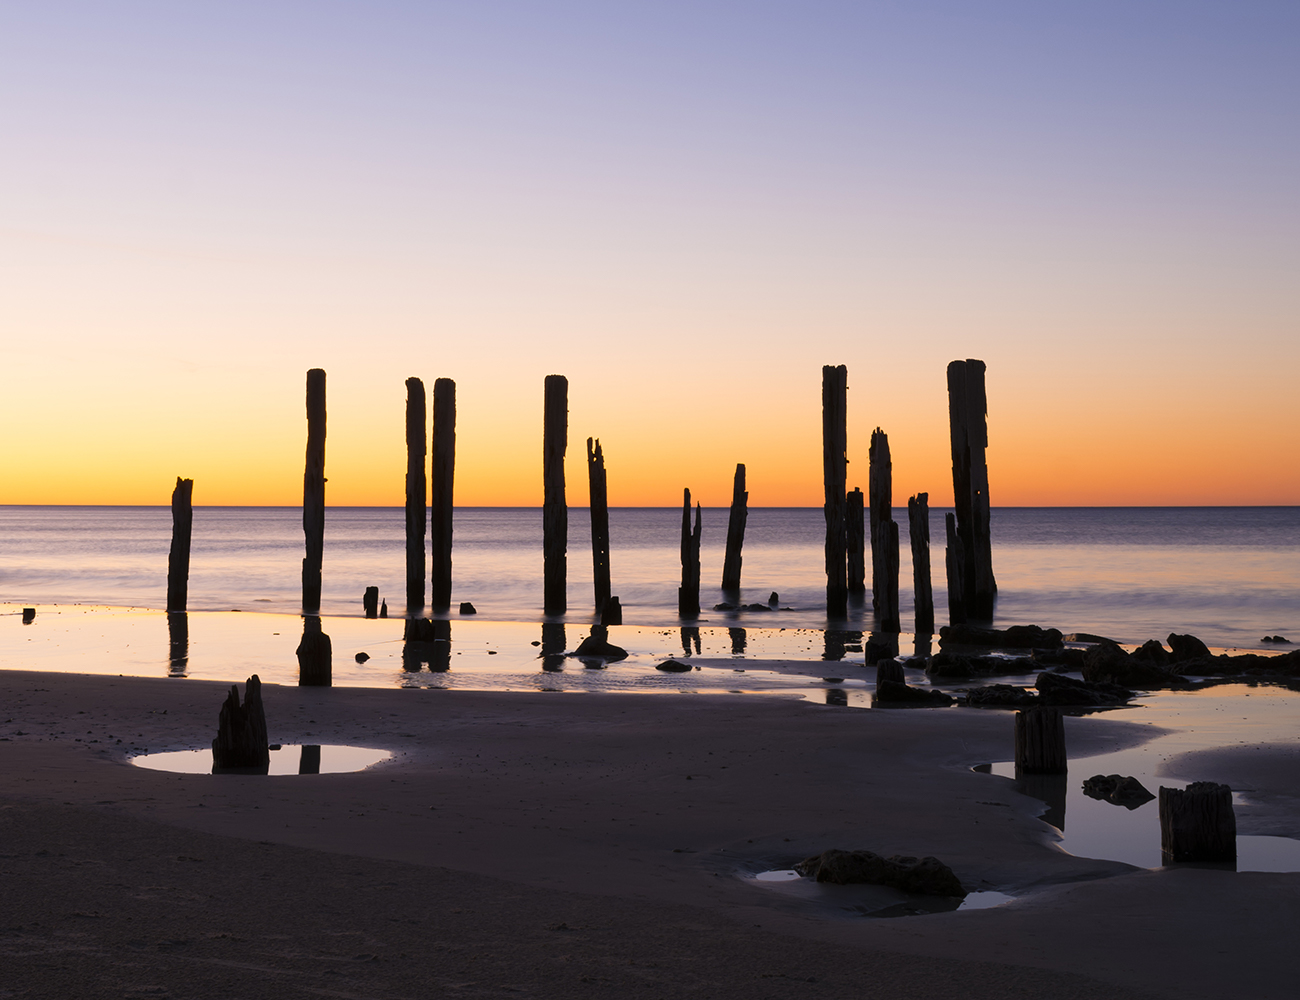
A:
(887, 613)
(735, 532)
(968, 424)
(1197, 823)
(444, 471)
(241, 742)
(954, 564)
(313, 492)
(315, 655)
(370, 602)
(880, 490)
(555, 511)
(835, 382)
(688, 594)
(1040, 741)
(599, 523)
(417, 494)
(855, 535)
(178, 559)
(918, 524)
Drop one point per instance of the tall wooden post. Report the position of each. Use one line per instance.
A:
(968, 423)
(313, 492)
(835, 383)
(688, 595)
(599, 524)
(918, 523)
(555, 511)
(881, 498)
(855, 533)
(417, 495)
(444, 470)
(178, 559)
(954, 562)
(735, 532)
(887, 614)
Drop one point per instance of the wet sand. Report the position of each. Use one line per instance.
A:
(546, 844)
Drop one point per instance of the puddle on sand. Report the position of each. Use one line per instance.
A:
(288, 758)
(872, 900)
(1215, 717)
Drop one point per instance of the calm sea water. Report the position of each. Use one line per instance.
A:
(1229, 575)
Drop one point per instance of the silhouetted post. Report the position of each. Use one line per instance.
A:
(315, 655)
(968, 422)
(417, 494)
(599, 523)
(178, 559)
(835, 383)
(309, 762)
(855, 533)
(688, 595)
(313, 492)
(444, 470)
(887, 614)
(1197, 823)
(1040, 741)
(555, 511)
(553, 644)
(918, 523)
(370, 602)
(881, 499)
(735, 532)
(241, 742)
(954, 563)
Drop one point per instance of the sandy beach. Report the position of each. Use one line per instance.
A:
(546, 844)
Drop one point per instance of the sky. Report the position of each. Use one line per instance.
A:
(688, 208)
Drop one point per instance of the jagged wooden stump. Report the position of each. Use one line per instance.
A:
(1197, 823)
(1040, 741)
(241, 741)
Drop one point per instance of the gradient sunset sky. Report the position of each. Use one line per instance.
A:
(685, 207)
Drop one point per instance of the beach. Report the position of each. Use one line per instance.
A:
(548, 844)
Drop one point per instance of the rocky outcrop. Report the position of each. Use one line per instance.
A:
(926, 876)
(1000, 696)
(675, 667)
(1059, 690)
(1186, 647)
(894, 693)
(1118, 790)
(1015, 637)
(959, 667)
(599, 647)
(1107, 663)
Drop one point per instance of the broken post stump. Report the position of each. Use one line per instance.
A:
(889, 670)
(1040, 741)
(29, 615)
(178, 559)
(555, 511)
(735, 532)
(417, 494)
(688, 594)
(612, 612)
(313, 492)
(855, 541)
(835, 384)
(241, 742)
(315, 655)
(968, 425)
(370, 602)
(918, 525)
(599, 523)
(1197, 823)
(954, 560)
(444, 472)
(880, 497)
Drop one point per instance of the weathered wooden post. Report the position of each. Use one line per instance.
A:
(313, 492)
(315, 655)
(735, 532)
(309, 762)
(241, 742)
(835, 383)
(880, 489)
(855, 533)
(1040, 741)
(968, 423)
(889, 669)
(417, 494)
(178, 559)
(887, 615)
(954, 563)
(370, 602)
(444, 471)
(555, 511)
(688, 594)
(1197, 823)
(599, 523)
(918, 524)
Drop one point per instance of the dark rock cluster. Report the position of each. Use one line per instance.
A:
(926, 876)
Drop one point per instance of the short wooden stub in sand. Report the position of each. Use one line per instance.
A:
(1197, 823)
(241, 741)
(315, 655)
(1040, 741)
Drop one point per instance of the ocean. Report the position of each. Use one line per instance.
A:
(1230, 575)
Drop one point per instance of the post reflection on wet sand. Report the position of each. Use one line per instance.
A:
(553, 646)
(178, 638)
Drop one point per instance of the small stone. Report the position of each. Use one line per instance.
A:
(362, 657)
(467, 609)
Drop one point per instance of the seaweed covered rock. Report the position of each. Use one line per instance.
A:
(959, 667)
(896, 693)
(599, 647)
(1015, 637)
(927, 876)
(1117, 789)
(1001, 696)
(1152, 652)
(1107, 663)
(1059, 690)
(1186, 647)
(674, 667)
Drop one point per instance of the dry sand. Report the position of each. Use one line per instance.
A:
(547, 845)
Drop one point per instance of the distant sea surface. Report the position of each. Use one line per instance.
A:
(1227, 574)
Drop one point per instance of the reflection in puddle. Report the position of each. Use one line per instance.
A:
(872, 900)
(288, 759)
